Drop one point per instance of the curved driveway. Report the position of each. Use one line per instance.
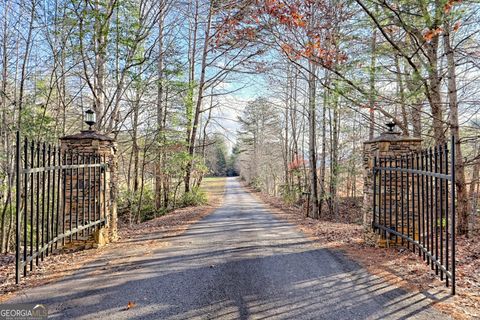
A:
(240, 262)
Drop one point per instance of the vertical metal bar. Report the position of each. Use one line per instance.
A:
(70, 205)
(396, 199)
(390, 193)
(64, 194)
(413, 203)
(432, 217)
(37, 207)
(402, 195)
(17, 207)
(54, 188)
(76, 193)
(408, 199)
(25, 207)
(447, 210)
(25, 220)
(95, 190)
(384, 196)
(374, 192)
(380, 203)
(43, 201)
(89, 193)
(419, 203)
(424, 207)
(84, 186)
(99, 189)
(105, 216)
(48, 196)
(453, 213)
(440, 149)
(32, 204)
(427, 203)
(436, 208)
(59, 193)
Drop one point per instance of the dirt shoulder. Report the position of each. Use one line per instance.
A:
(397, 266)
(57, 266)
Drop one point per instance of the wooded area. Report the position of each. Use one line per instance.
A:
(159, 76)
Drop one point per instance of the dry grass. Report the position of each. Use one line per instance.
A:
(57, 266)
(215, 188)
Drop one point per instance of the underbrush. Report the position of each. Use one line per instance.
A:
(137, 207)
(196, 197)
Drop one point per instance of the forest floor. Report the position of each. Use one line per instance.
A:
(59, 265)
(397, 266)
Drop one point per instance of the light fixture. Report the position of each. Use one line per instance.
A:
(390, 125)
(90, 118)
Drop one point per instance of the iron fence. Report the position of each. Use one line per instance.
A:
(414, 205)
(60, 197)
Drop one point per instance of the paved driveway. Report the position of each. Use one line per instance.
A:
(238, 263)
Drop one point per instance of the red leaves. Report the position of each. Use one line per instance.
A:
(296, 164)
(288, 21)
(430, 34)
(449, 5)
(456, 26)
(287, 48)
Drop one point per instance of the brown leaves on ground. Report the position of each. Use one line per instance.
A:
(398, 266)
(53, 267)
(60, 264)
(178, 221)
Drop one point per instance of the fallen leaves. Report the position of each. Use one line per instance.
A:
(130, 305)
(397, 266)
(64, 263)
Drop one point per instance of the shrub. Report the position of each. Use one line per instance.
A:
(290, 194)
(131, 206)
(256, 184)
(195, 197)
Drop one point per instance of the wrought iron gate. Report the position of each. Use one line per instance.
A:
(60, 196)
(414, 204)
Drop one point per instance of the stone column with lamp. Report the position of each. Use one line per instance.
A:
(388, 144)
(90, 142)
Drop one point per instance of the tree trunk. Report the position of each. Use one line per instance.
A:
(401, 93)
(24, 63)
(198, 107)
(334, 132)
(135, 148)
(286, 140)
(160, 129)
(371, 96)
(463, 207)
(435, 95)
(312, 137)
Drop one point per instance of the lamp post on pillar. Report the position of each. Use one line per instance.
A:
(90, 119)
(391, 125)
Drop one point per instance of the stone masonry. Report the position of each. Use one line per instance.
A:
(79, 183)
(389, 144)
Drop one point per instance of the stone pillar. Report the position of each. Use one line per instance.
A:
(95, 144)
(388, 144)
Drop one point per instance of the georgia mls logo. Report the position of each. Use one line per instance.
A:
(23, 311)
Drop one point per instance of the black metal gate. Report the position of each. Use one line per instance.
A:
(60, 196)
(414, 205)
